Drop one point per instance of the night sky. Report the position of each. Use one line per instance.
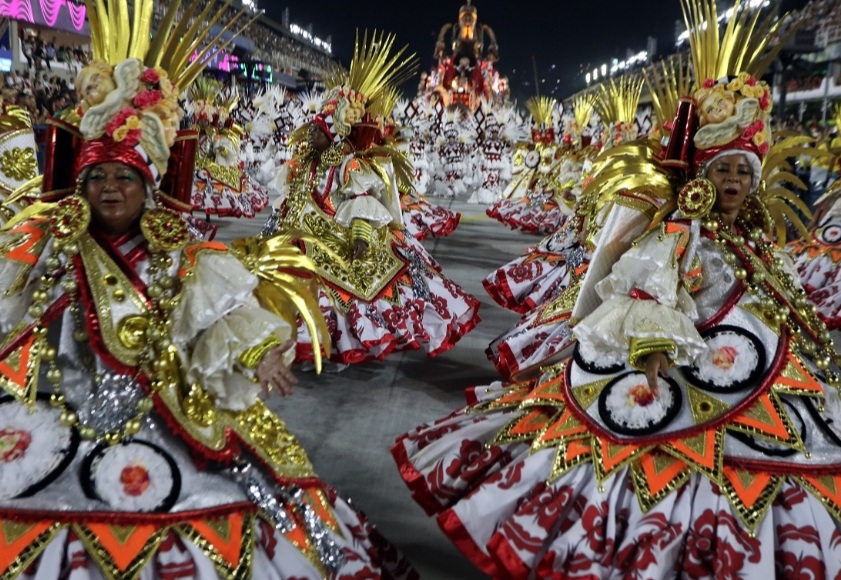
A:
(564, 37)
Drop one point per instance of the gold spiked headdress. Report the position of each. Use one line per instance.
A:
(361, 94)
(616, 104)
(668, 81)
(734, 106)
(542, 109)
(582, 111)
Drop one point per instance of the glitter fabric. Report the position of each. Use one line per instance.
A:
(261, 496)
(112, 404)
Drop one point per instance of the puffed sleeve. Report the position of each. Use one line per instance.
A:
(365, 195)
(645, 306)
(218, 319)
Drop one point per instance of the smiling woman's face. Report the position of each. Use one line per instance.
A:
(117, 195)
(732, 176)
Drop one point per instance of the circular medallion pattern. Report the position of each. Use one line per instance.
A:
(628, 407)
(132, 476)
(35, 448)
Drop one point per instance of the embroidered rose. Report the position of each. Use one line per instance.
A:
(147, 99)
(150, 76)
(13, 444)
(640, 396)
(135, 479)
(120, 119)
(120, 133)
(754, 128)
(725, 357)
(765, 101)
(709, 83)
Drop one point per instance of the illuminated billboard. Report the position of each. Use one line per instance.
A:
(61, 14)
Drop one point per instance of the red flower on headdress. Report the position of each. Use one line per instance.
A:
(147, 99)
(751, 81)
(765, 101)
(120, 119)
(709, 83)
(150, 76)
(753, 129)
(763, 149)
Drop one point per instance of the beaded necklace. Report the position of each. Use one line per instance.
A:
(783, 302)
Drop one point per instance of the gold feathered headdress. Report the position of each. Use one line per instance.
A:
(129, 93)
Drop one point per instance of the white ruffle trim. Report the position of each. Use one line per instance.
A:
(649, 267)
(606, 333)
(219, 284)
(215, 354)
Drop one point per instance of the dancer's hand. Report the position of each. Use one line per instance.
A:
(359, 249)
(273, 374)
(657, 364)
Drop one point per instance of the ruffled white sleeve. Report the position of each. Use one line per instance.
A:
(366, 196)
(643, 302)
(218, 318)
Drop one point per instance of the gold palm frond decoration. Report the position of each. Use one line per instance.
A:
(205, 89)
(541, 109)
(119, 33)
(288, 283)
(617, 101)
(668, 81)
(582, 109)
(13, 118)
(745, 46)
(373, 68)
(630, 167)
(385, 104)
(777, 180)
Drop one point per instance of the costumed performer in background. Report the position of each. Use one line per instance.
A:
(694, 430)
(133, 442)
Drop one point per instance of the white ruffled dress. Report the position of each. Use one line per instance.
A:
(730, 469)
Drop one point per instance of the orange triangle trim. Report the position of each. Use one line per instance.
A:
(123, 548)
(531, 423)
(615, 454)
(577, 448)
(567, 425)
(319, 503)
(21, 253)
(551, 391)
(659, 479)
(229, 548)
(808, 385)
(829, 486)
(775, 428)
(749, 494)
(708, 459)
(17, 376)
(11, 549)
(515, 396)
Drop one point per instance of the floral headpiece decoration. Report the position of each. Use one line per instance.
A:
(733, 114)
(129, 110)
(732, 105)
